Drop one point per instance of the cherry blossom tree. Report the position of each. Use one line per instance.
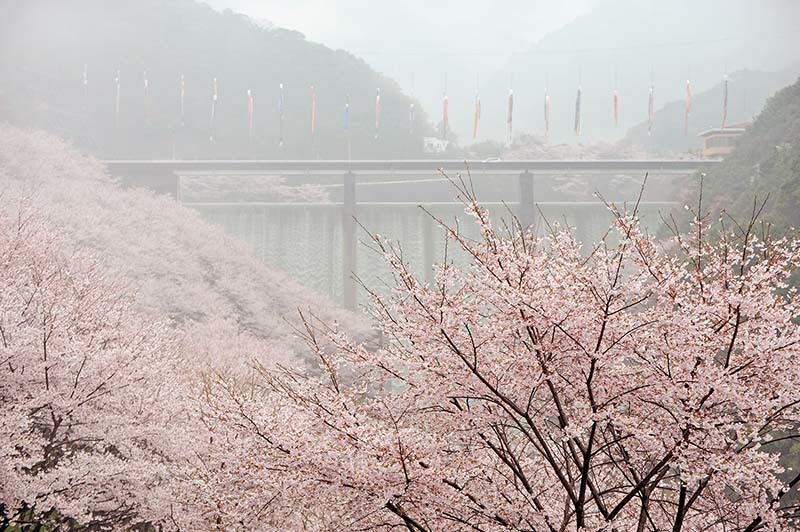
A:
(94, 416)
(635, 384)
(116, 307)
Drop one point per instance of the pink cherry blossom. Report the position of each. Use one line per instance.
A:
(94, 407)
(634, 384)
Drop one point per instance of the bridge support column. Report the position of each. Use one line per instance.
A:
(427, 249)
(178, 187)
(349, 241)
(525, 210)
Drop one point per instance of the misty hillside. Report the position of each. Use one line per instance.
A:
(45, 45)
(766, 163)
(180, 266)
(636, 42)
(747, 93)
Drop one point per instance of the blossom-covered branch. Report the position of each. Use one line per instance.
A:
(548, 386)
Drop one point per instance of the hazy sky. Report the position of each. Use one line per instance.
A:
(411, 27)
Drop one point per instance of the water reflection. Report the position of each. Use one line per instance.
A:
(305, 239)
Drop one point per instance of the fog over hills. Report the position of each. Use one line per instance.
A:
(408, 50)
(748, 91)
(534, 44)
(149, 44)
(639, 42)
(419, 43)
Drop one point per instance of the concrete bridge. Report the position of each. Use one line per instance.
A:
(164, 176)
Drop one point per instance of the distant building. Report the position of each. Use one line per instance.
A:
(722, 141)
(435, 145)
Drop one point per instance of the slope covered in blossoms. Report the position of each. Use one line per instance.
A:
(179, 265)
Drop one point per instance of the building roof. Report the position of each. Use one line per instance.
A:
(734, 129)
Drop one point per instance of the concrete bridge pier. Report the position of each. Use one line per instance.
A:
(349, 241)
(525, 210)
(427, 249)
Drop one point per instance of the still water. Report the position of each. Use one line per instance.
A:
(305, 239)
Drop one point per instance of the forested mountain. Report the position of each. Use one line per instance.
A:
(765, 163)
(748, 91)
(45, 46)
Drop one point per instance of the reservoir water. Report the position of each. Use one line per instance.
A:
(305, 239)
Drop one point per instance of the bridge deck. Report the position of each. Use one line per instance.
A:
(409, 167)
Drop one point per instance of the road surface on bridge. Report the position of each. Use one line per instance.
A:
(411, 166)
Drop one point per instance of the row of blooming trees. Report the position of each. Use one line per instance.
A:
(547, 387)
(636, 384)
